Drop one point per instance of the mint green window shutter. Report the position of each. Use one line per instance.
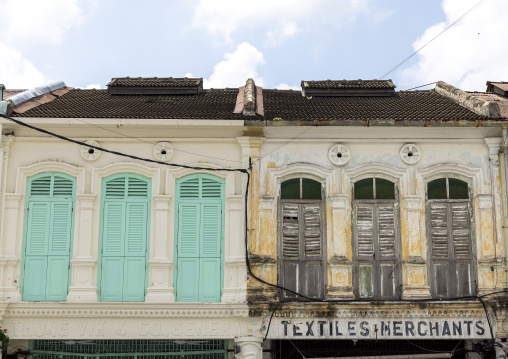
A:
(210, 256)
(199, 239)
(48, 237)
(135, 250)
(124, 239)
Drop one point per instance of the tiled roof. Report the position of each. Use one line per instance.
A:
(349, 84)
(155, 82)
(502, 85)
(9, 93)
(282, 104)
(501, 101)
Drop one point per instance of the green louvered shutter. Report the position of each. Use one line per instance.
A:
(199, 240)
(113, 252)
(135, 251)
(188, 252)
(210, 259)
(124, 239)
(48, 238)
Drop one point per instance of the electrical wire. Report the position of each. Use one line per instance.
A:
(154, 143)
(435, 37)
(417, 87)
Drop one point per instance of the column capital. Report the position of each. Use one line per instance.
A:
(250, 145)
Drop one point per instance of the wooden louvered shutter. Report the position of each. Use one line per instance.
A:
(388, 266)
(312, 276)
(462, 248)
(291, 257)
(365, 249)
(440, 257)
(302, 258)
(377, 270)
(451, 251)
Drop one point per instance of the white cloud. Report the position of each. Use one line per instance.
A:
(93, 86)
(284, 86)
(236, 68)
(469, 53)
(280, 19)
(36, 20)
(281, 33)
(189, 75)
(17, 72)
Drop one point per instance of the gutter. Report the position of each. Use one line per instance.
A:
(504, 196)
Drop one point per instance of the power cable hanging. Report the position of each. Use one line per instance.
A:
(435, 37)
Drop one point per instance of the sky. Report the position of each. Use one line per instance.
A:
(279, 43)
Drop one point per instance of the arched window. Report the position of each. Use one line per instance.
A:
(377, 269)
(199, 238)
(449, 221)
(125, 224)
(301, 242)
(48, 237)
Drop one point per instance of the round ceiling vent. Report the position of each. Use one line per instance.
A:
(90, 153)
(339, 155)
(163, 151)
(410, 153)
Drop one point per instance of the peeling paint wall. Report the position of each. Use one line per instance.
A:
(461, 155)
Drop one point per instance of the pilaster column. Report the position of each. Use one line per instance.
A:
(250, 348)
(84, 260)
(160, 274)
(414, 265)
(12, 235)
(494, 145)
(339, 250)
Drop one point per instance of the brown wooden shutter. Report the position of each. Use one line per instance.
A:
(451, 249)
(302, 262)
(377, 268)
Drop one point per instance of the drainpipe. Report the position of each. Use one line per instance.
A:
(504, 197)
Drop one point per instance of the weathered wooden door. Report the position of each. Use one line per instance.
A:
(451, 247)
(377, 267)
(301, 261)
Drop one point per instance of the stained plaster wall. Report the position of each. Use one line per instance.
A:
(460, 154)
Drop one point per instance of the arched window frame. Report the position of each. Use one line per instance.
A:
(104, 201)
(303, 266)
(447, 285)
(178, 200)
(30, 199)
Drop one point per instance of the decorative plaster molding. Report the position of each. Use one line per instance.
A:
(163, 151)
(50, 166)
(89, 153)
(485, 201)
(125, 167)
(468, 174)
(413, 202)
(339, 201)
(339, 155)
(296, 170)
(173, 174)
(375, 169)
(410, 154)
(126, 310)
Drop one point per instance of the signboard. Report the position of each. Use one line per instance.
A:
(386, 328)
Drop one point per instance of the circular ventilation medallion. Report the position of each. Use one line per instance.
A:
(339, 155)
(163, 151)
(89, 153)
(410, 153)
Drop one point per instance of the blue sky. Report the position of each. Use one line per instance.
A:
(277, 42)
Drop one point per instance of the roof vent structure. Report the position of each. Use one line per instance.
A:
(36, 92)
(155, 86)
(348, 88)
(501, 88)
(249, 101)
